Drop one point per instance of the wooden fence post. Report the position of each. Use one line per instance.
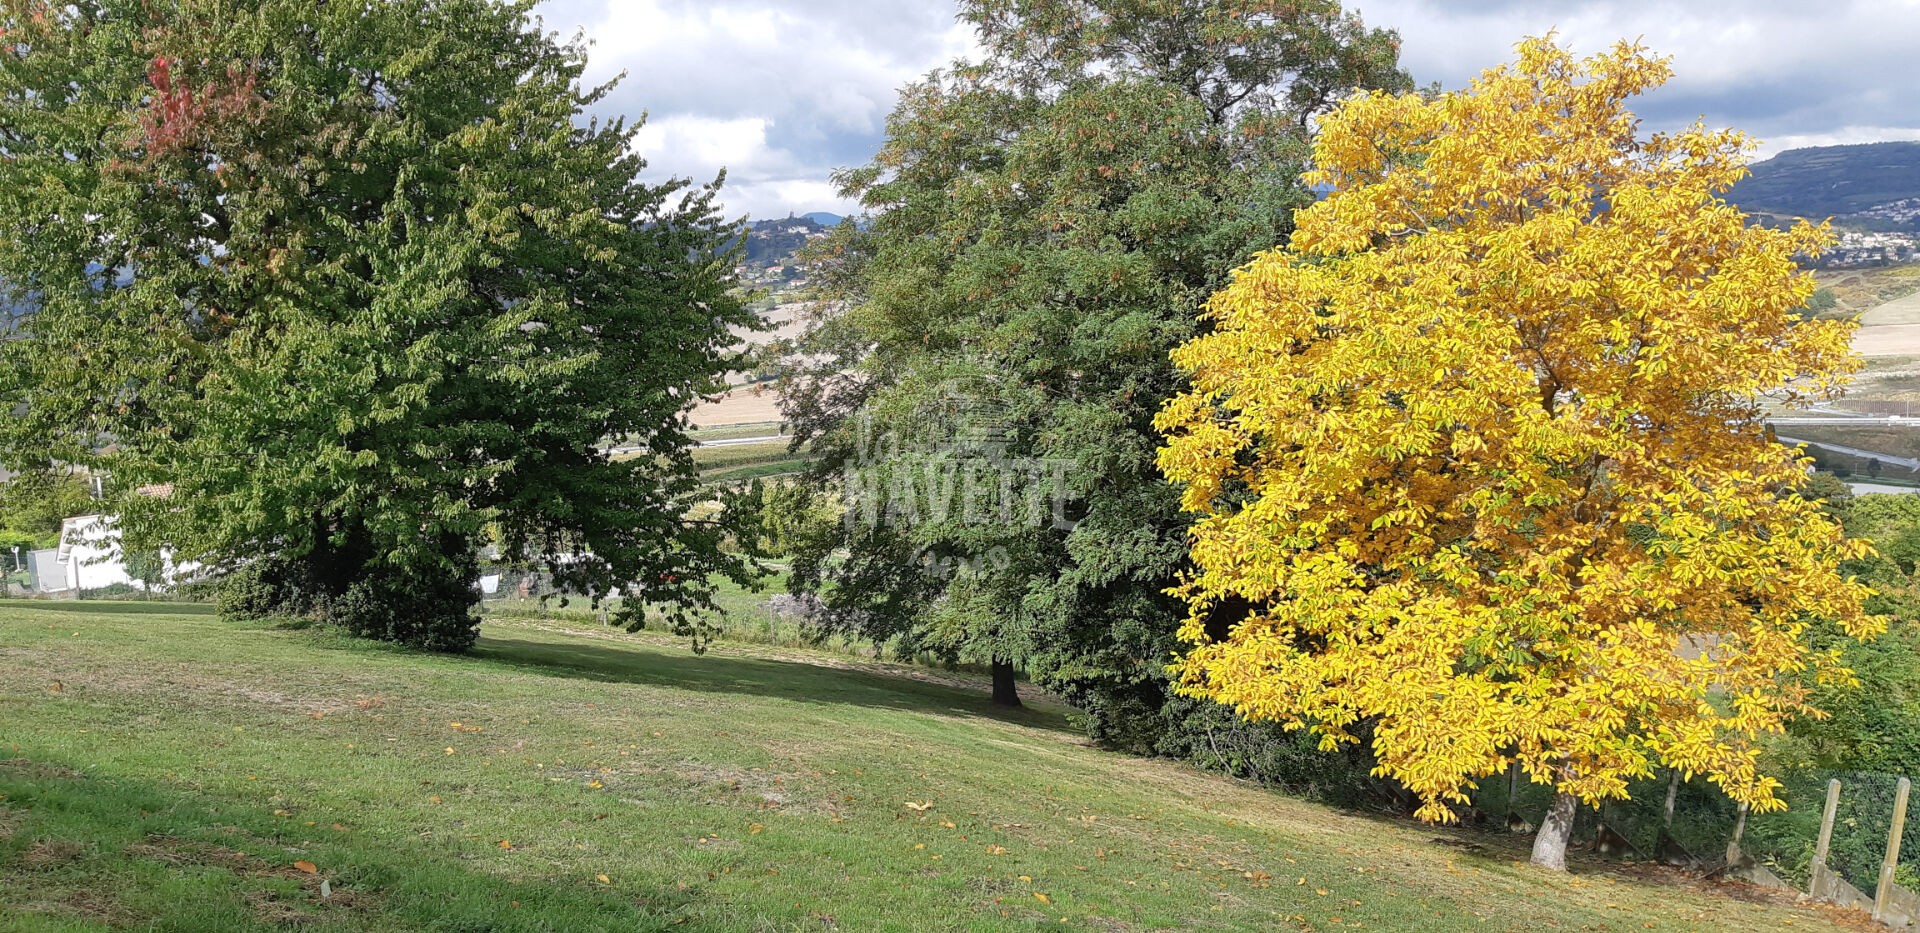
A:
(1884, 891)
(1825, 841)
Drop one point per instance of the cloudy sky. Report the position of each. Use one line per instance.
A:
(782, 92)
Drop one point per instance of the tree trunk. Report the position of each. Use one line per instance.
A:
(1550, 843)
(1004, 693)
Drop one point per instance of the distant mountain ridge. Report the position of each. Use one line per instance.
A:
(773, 241)
(1874, 186)
(819, 218)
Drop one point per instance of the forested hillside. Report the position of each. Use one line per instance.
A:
(1858, 184)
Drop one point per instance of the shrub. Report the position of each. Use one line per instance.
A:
(424, 602)
(426, 607)
(273, 585)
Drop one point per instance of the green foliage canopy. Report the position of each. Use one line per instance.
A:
(1046, 224)
(33, 504)
(362, 283)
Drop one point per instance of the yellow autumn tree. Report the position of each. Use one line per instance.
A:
(1481, 455)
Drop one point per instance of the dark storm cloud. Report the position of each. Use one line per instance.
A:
(781, 92)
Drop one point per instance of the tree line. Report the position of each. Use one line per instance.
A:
(1437, 417)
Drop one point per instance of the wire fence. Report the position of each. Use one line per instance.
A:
(1849, 853)
(1883, 407)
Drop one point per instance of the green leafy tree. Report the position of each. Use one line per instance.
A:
(364, 285)
(34, 503)
(1045, 226)
(1875, 725)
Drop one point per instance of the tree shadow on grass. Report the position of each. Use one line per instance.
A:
(789, 680)
(81, 851)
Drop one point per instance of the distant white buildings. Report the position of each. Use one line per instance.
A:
(1855, 248)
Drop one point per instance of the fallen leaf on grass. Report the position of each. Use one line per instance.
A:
(603, 879)
(1042, 898)
(506, 844)
(755, 829)
(306, 867)
(918, 807)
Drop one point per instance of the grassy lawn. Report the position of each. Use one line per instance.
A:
(161, 769)
(745, 617)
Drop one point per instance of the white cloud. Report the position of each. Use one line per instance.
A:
(1785, 71)
(684, 139)
(777, 93)
(782, 92)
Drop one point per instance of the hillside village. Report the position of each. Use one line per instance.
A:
(770, 254)
(1866, 191)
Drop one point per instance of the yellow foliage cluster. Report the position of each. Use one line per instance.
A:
(1484, 448)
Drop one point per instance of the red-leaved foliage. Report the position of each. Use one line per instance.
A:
(181, 118)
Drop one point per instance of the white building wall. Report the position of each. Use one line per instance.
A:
(90, 552)
(49, 574)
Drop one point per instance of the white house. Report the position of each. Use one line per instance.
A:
(90, 554)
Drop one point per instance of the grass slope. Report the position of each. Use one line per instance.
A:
(1875, 295)
(162, 769)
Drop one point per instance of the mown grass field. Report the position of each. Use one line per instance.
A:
(738, 431)
(713, 459)
(161, 769)
(739, 463)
